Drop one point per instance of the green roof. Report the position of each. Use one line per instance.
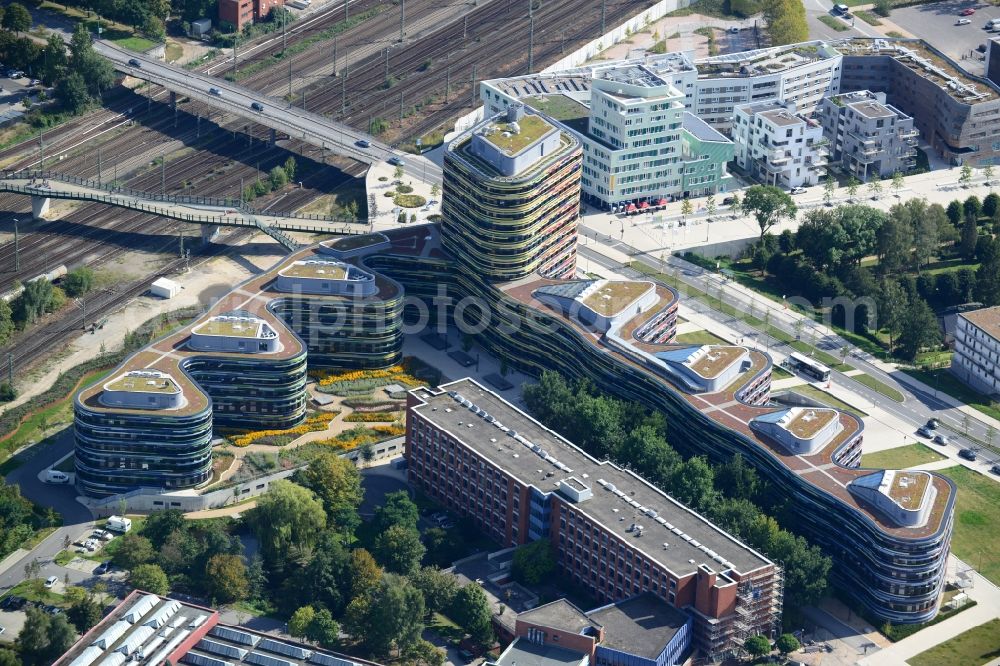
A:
(530, 130)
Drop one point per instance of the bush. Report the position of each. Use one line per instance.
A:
(882, 7)
(409, 200)
(404, 189)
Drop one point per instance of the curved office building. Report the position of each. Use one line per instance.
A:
(242, 365)
(511, 198)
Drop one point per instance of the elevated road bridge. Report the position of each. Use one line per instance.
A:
(277, 114)
(212, 213)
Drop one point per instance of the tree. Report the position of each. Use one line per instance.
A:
(769, 205)
(883, 7)
(686, 207)
(84, 614)
(533, 562)
(987, 289)
(435, 189)
(53, 59)
(895, 241)
(424, 653)
(337, 484)
(78, 281)
(875, 187)
(969, 238)
(991, 204)
(6, 322)
(391, 618)
(290, 167)
(43, 638)
(693, 483)
(298, 623)
(278, 178)
(710, 206)
(852, 187)
(988, 174)
(287, 516)
(787, 643)
(396, 509)
(471, 610)
(160, 525)
(153, 28)
(891, 302)
(757, 646)
(965, 175)
(786, 21)
(738, 479)
(439, 588)
(397, 173)
(365, 573)
(897, 182)
(9, 658)
(17, 18)
(150, 578)
(133, 550)
(226, 578)
(829, 187)
(323, 629)
(399, 549)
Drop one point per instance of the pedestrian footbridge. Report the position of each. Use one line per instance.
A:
(43, 186)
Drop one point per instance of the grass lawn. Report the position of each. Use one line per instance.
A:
(811, 391)
(445, 628)
(777, 372)
(134, 43)
(868, 17)
(971, 648)
(835, 23)
(901, 457)
(63, 557)
(881, 387)
(174, 51)
(38, 537)
(942, 380)
(977, 521)
(27, 590)
(700, 338)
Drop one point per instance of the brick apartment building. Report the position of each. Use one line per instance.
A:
(612, 531)
(237, 14)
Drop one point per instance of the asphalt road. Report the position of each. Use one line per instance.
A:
(935, 22)
(77, 519)
(819, 30)
(918, 406)
(274, 113)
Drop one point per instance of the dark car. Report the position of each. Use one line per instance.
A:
(995, 469)
(214, 91)
(924, 431)
(103, 568)
(968, 454)
(729, 201)
(933, 423)
(257, 106)
(363, 143)
(134, 62)
(942, 440)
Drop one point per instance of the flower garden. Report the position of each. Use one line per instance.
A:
(313, 423)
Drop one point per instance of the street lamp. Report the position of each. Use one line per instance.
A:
(17, 248)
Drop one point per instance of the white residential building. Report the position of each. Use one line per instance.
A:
(976, 360)
(778, 146)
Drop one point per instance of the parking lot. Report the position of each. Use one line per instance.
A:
(935, 23)
(13, 91)
(746, 39)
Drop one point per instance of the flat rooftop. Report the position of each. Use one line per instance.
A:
(763, 61)
(986, 319)
(630, 74)
(143, 381)
(529, 129)
(523, 652)
(231, 327)
(316, 269)
(704, 542)
(806, 423)
(715, 360)
(614, 296)
(642, 625)
(560, 614)
(782, 117)
(907, 488)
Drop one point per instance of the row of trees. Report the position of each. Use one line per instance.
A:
(786, 21)
(40, 297)
(146, 16)
(731, 493)
(826, 258)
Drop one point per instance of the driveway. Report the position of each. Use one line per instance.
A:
(77, 519)
(377, 484)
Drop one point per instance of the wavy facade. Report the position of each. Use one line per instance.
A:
(241, 365)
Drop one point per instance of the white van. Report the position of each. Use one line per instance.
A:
(55, 476)
(119, 524)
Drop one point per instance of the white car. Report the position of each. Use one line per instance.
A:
(797, 190)
(50, 581)
(963, 21)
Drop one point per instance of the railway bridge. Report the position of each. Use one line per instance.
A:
(276, 114)
(212, 213)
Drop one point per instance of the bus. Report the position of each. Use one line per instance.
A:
(807, 366)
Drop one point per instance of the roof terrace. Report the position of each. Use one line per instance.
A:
(806, 423)
(513, 137)
(143, 381)
(611, 297)
(711, 361)
(231, 327)
(317, 269)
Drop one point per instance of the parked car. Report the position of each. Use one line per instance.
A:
(257, 106)
(214, 91)
(924, 431)
(943, 440)
(103, 568)
(798, 190)
(733, 30)
(967, 12)
(841, 9)
(134, 62)
(55, 476)
(50, 581)
(14, 74)
(968, 454)
(933, 423)
(963, 21)
(396, 160)
(995, 469)
(728, 201)
(363, 143)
